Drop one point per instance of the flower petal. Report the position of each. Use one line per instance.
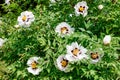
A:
(33, 71)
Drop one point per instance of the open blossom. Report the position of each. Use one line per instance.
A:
(95, 57)
(1, 42)
(75, 52)
(81, 8)
(25, 19)
(64, 29)
(107, 40)
(62, 63)
(33, 66)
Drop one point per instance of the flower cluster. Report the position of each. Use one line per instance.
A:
(74, 51)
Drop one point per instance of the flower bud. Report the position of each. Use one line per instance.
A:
(100, 7)
(107, 39)
(16, 26)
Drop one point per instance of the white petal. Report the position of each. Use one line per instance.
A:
(69, 57)
(32, 19)
(23, 13)
(69, 48)
(59, 59)
(32, 59)
(27, 23)
(94, 61)
(20, 22)
(33, 71)
(82, 56)
(85, 13)
(83, 50)
(19, 19)
(75, 45)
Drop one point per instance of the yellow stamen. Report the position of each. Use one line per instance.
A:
(24, 18)
(94, 55)
(64, 29)
(75, 51)
(64, 63)
(34, 65)
(81, 9)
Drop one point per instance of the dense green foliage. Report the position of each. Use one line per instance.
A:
(40, 39)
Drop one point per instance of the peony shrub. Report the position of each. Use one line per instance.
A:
(53, 39)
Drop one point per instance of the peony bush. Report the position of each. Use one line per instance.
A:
(59, 39)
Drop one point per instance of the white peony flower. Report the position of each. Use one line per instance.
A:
(1, 42)
(7, 2)
(64, 29)
(100, 7)
(33, 68)
(26, 18)
(75, 52)
(107, 40)
(62, 63)
(95, 57)
(81, 8)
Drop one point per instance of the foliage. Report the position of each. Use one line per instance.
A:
(41, 40)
